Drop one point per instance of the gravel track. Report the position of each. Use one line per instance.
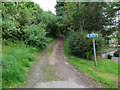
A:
(55, 71)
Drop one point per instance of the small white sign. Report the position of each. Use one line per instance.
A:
(92, 35)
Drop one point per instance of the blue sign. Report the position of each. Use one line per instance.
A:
(92, 35)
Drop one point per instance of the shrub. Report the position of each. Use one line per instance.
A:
(80, 45)
(19, 18)
(35, 35)
(51, 23)
(10, 28)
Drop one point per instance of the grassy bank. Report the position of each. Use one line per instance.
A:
(16, 61)
(106, 71)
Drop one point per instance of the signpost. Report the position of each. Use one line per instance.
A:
(93, 36)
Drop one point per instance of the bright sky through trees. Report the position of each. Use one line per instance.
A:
(47, 4)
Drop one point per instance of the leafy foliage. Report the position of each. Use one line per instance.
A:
(27, 21)
(81, 46)
(89, 16)
(51, 23)
(35, 35)
(59, 8)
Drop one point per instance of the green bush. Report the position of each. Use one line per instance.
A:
(35, 35)
(21, 20)
(51, 23)
(80, 45)
(10, 28)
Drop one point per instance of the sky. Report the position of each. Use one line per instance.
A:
(47, 5)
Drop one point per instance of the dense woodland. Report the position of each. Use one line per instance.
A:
(26, 24)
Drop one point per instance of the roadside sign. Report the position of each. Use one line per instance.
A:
(94, 51)
(93, 36)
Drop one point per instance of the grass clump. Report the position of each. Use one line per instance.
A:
(49, 73)
(49, 51)
(16, 59)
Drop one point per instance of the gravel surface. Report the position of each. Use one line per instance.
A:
(55, 71)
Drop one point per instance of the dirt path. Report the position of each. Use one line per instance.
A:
(54, 71)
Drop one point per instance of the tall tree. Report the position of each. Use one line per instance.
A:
(59, 8)
(90, 16)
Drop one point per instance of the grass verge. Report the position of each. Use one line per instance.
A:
(106, 71)
(16, 59)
